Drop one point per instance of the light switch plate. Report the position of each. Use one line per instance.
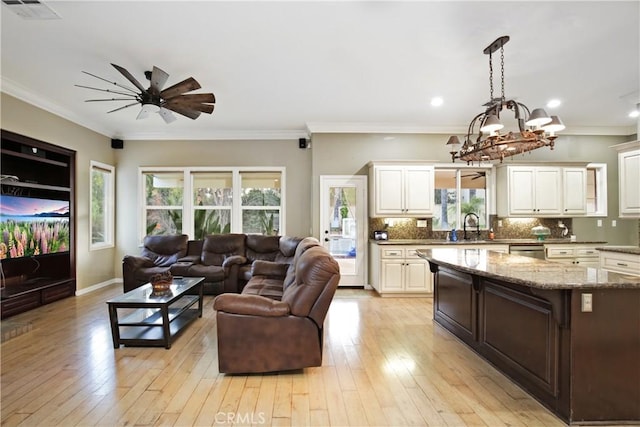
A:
(587, 303)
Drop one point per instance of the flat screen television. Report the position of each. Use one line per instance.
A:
(32, 226)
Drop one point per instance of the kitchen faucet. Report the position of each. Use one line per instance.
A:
(464, 225)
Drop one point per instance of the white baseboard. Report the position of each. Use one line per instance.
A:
(98, 286)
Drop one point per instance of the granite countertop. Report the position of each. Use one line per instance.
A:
(633, 250)
(483, 242)
(527, 271)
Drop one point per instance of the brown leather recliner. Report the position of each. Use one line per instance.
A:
(258, 333)
(158, 254)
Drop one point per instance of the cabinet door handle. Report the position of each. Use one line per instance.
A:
(622, 264)
(564, 252)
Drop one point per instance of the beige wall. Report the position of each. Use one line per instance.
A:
(330, 154)
(92, 267)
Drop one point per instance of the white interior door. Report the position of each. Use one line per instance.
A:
(343, 224)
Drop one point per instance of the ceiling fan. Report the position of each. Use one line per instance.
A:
(156, 100)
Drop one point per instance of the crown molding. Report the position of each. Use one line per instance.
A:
(220, 135)
(391, 128)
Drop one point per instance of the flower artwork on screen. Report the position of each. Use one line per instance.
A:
(33, 226)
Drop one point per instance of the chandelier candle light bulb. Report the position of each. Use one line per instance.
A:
(536, 128)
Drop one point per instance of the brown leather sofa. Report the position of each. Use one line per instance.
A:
(224, 260)
(276, 323)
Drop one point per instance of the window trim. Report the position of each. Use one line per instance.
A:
(109, 211)
(489, 187)
(187, 200)
(601, 189)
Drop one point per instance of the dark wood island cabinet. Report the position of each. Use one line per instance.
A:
(568, 335)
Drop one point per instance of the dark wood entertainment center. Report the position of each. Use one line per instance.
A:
(32, 168)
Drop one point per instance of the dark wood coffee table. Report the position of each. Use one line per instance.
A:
(155, 320)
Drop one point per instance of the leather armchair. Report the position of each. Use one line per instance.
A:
(259, 333)
(158, 254)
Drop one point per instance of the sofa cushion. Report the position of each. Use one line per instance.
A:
(264, 286)
(211, 273)
(165, 250)
(262, 247)
(315, 269)
(217, 247)
(303, 245)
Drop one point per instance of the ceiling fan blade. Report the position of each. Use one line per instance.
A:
(129, 77)
(184, 111)
(203, 108)
(158, 79)
(108, 81)
(109, 91)
(109, 99)
(167, 115)
(184, 86)
(122, 108)
(208, 98)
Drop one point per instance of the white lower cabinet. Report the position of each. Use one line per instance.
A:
(620, 262)
(577, 254)
(396, 269)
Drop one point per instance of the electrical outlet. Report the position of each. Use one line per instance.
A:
(421, 223)
(599, 223)
(499, 223)
(587, 303)
(614, 223)
(560, 224)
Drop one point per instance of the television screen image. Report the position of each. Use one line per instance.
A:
(33, 226)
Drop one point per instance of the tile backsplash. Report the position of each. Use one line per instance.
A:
(511, 228)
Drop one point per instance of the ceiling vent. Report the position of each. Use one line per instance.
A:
(31, 9)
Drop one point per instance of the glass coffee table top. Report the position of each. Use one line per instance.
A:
(145, 292)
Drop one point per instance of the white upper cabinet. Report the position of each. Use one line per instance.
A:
(629, 179)
(574, 185)
(400, 189)
(530, 191)
(539, 191)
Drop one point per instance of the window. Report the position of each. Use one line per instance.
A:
(101, 222)
(260, 202)
(212, 203)
(222, 200)
(458, 192)
(163, 199)
(597, 189)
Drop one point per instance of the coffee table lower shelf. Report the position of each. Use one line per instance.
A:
(151, 333)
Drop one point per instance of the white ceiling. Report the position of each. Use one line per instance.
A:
(284, 69)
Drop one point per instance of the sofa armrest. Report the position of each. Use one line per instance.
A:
(269, 268)
(135, 262)
(253, 305)
(234, 260)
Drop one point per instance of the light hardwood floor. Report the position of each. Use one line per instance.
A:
(385, 364)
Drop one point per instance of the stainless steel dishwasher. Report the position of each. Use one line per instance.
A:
(532, 251)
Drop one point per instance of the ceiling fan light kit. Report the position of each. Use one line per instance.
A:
(536, 129)
(156, 100)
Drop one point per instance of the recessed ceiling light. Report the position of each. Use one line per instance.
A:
(436, 101)
(634, 114)
(553, 103)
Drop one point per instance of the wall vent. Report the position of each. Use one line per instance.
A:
(31, 9)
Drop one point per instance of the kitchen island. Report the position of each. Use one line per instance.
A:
(568, 335)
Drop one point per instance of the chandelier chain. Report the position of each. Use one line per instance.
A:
(490, 78)
(502, 69)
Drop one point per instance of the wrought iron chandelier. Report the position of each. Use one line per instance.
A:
(536, 128)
